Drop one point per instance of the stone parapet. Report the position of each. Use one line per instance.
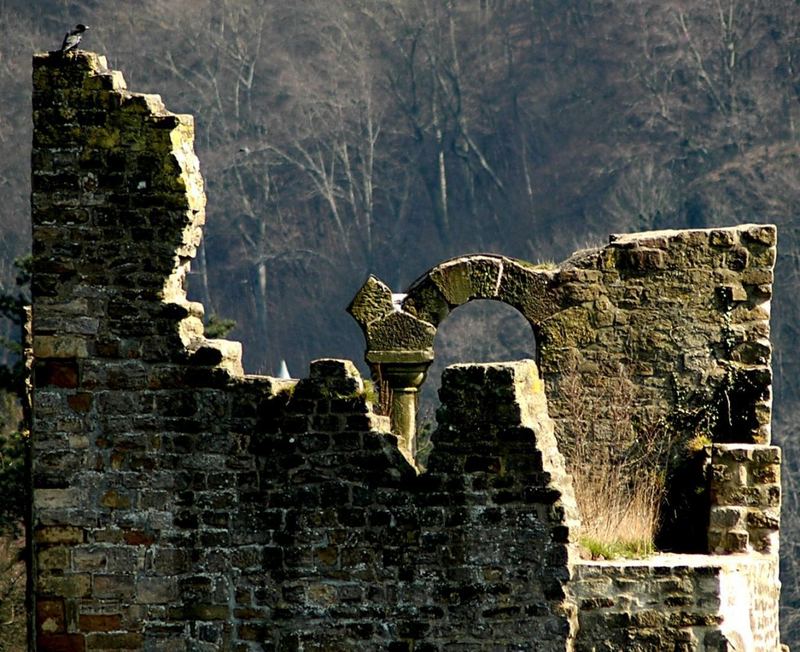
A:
(745, 493)
(678, 602)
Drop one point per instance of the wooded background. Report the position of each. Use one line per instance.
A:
(340, 138)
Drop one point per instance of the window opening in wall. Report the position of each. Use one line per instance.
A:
(478, 331)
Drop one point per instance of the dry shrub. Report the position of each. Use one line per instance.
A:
(381, 397)
(617, 455)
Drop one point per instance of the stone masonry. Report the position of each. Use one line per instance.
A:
(685, 312)
(179, 504)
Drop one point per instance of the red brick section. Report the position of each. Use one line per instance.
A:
(50, 616)
(137, 538)
(60, 643)
(99, 622)
(81, 402)
(59, 374)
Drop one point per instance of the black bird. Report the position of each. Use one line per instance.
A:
(73, 38)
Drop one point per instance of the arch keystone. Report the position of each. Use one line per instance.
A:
(467, 278)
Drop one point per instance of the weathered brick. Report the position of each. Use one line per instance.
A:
(80, 402)
(115, 641)
(113, 586)
(59, 534)
(50, 617)
(156, 590)
(59, 498)
(46, 346)
(61, 643)
(67, 586)
(99, 622)
(57, 374)
(49, 559)
(114, 500)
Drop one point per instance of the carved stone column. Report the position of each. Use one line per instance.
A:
(404, 372)
(399, 350)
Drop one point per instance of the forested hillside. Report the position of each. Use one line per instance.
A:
(345, 137)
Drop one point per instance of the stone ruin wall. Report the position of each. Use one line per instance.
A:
(685, 314)
(179, 504)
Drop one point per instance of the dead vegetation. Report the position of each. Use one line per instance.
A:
(618, 455)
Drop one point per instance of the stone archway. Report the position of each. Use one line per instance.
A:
(400, 329)
(450, 284)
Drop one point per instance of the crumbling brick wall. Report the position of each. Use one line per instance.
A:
(686, 312)
(180, 504)
(129, 447)
(362, 553)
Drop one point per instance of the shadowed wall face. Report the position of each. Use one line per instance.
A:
(363, 553)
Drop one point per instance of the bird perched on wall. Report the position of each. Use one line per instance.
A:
(73, 38)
